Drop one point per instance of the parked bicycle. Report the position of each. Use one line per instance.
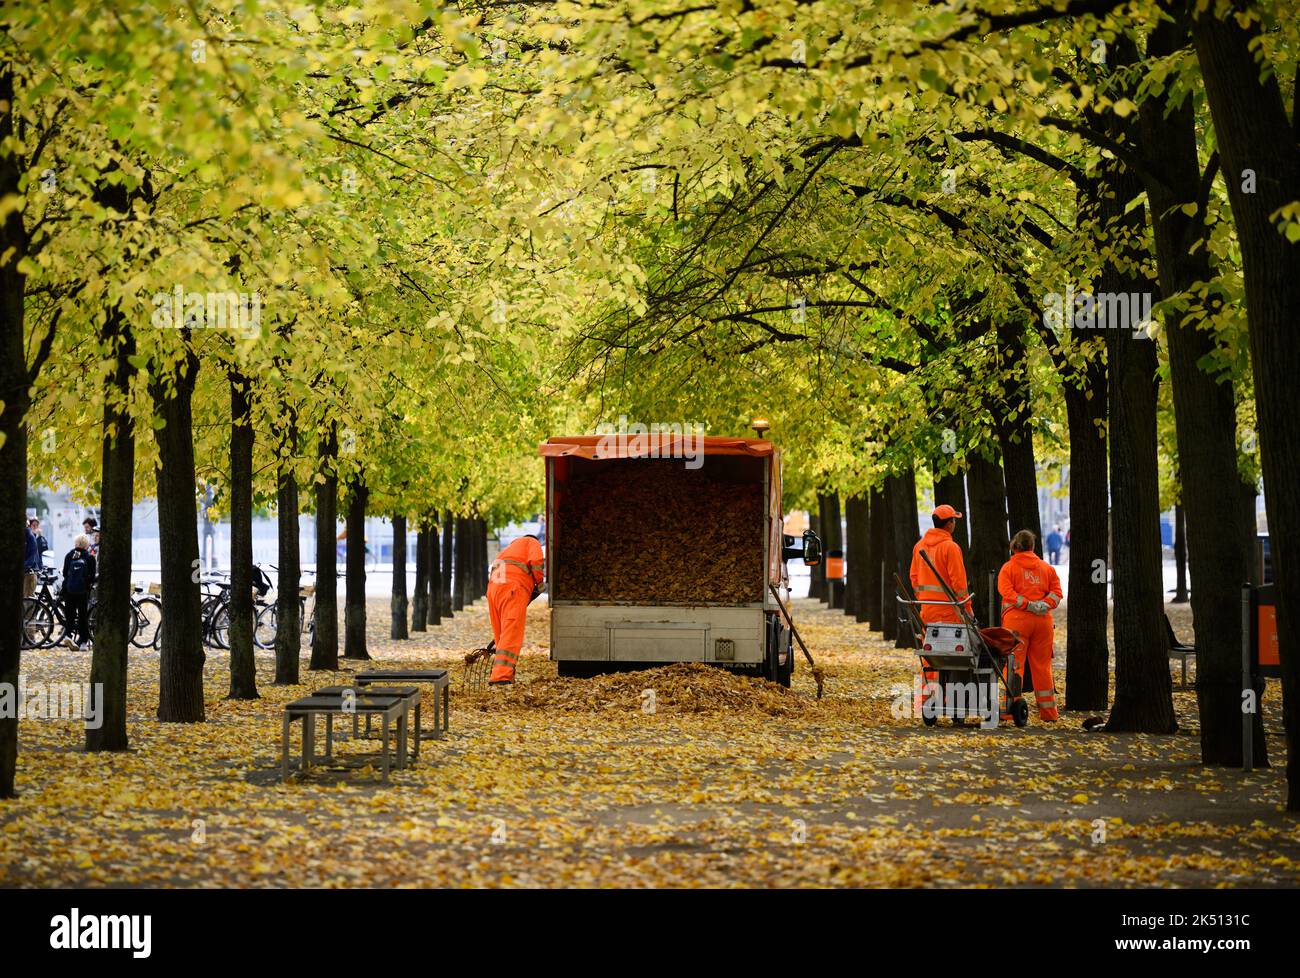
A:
(45, 623)
(268, 616)
(215, 610)
(147, 612)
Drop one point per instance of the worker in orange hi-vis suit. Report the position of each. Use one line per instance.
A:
(515, 580)
(1030, 591)
(945, 553)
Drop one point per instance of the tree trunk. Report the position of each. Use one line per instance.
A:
(874, 583)
(858, 529)
(354, 607)
(288, 624)
(951, 489)
(1205, 415)
(831, 522)
(180, 694)
(1249, 530)
(849, 602)
(325, 635)
(243, 664)
(398, 629)
(419, 605)
(475, 548)
(1021, 477)
(482, 557)
(448, 603)
(1180, 555)
(13, 512)
(1087, 653)
(1143, 686)
(15, 385)
(888, 567)
(108, 664)
(1253, 134)
(433, 576)
(1016, 437)
(902, 510)
(989, 542)
(459, 569)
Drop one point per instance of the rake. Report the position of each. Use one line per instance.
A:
(478, 666)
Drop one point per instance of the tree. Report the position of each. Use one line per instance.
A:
(398, 629)
(325, 636)
(1261, 166)
(355, 610)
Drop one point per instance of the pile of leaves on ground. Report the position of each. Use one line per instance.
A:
(685, 687)
(651, 531)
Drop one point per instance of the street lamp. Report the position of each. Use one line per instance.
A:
(759, 425)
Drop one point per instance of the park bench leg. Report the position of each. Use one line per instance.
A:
(308, 740)
(284, 748)
(403, 731)
(416, 753)
(329, 736)
(384, 747)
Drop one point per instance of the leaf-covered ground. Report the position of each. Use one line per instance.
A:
(568, 782)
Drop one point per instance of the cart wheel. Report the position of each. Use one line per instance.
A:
(929, 720)
(1020, 712)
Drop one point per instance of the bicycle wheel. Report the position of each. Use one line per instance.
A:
(38, 623)
(59, 627)
(207, 609)
(221, 625)
(148, 617)
(264, 629)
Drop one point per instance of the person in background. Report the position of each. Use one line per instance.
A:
(1030, 592)
(1054, 542)
(91, 527)
(42, 544)
(78, 583)
(31, 561)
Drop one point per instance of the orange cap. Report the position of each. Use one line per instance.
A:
(946, 512)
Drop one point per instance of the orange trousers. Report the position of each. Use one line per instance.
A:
(1037, 631)
(507, 607)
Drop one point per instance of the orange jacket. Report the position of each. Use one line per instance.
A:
(1027, 577)
(945, 554)
(521, 562)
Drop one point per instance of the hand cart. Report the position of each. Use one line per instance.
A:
(976, 667)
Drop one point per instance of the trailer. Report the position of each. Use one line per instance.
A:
(670, 549)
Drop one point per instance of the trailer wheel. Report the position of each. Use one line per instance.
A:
(1020, 712)
(772, 669)
(929, 720)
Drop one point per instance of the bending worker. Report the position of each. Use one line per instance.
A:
(515, 580)
(1030, 591)
(945, 553)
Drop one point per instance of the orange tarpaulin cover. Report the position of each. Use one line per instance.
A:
(626, 445)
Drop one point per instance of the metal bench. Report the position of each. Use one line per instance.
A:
(1177, 650)
(395, 711)
(409, 693)
(439, 679)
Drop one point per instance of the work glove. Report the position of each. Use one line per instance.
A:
(1039, 607)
